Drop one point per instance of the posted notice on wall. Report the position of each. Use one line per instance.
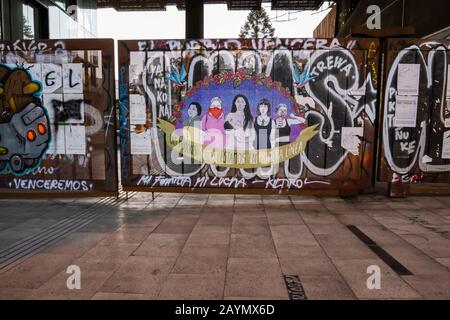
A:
(51, 77)
(57, 144)
(75, 139)
(408, 79)
(447, 101)
(136, 68)
(52, 101)
(448, 81)
(68, 139)
(406, 111)
(140, 142)
(72, 109)
(446, 145)
(72, 77)
(350, 139)
(447, 113)
(138, 114)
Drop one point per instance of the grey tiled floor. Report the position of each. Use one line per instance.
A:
(191, 246)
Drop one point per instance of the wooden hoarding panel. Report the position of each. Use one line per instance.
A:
(57, 128)
(259, 116)
(416, 118)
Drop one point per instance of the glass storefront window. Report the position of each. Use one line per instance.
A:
(28, 30)
(31, 19)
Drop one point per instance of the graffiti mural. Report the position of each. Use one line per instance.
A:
(57, 117)
(416, 116)
(278, 115)
(24, 132)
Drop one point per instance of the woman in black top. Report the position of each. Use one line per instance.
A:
(263, 125)
(283, 123)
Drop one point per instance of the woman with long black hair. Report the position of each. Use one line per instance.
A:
(239, 125)
(263, 125)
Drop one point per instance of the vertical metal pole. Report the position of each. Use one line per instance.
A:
(194, 19)
(153, 196)
(336, 21)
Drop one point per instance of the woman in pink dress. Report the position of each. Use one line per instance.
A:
(212, 124)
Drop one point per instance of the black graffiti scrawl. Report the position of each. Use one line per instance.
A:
(24, 130)
(335, 77)
(65, 110)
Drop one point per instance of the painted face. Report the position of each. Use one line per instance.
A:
(192, 111)
(263, 108)
(282, 111)
(240, 104)
(215, 109)
(216, 104)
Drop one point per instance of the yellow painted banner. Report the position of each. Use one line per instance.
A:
(189, 144)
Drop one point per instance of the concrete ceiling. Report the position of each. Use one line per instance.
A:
(160, 5)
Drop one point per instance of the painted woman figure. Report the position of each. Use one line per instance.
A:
(212, 124)
(282, 124)
(194, 111)
(263, 125)
(239, 125)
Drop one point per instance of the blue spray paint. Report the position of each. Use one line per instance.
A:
(123, 116)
